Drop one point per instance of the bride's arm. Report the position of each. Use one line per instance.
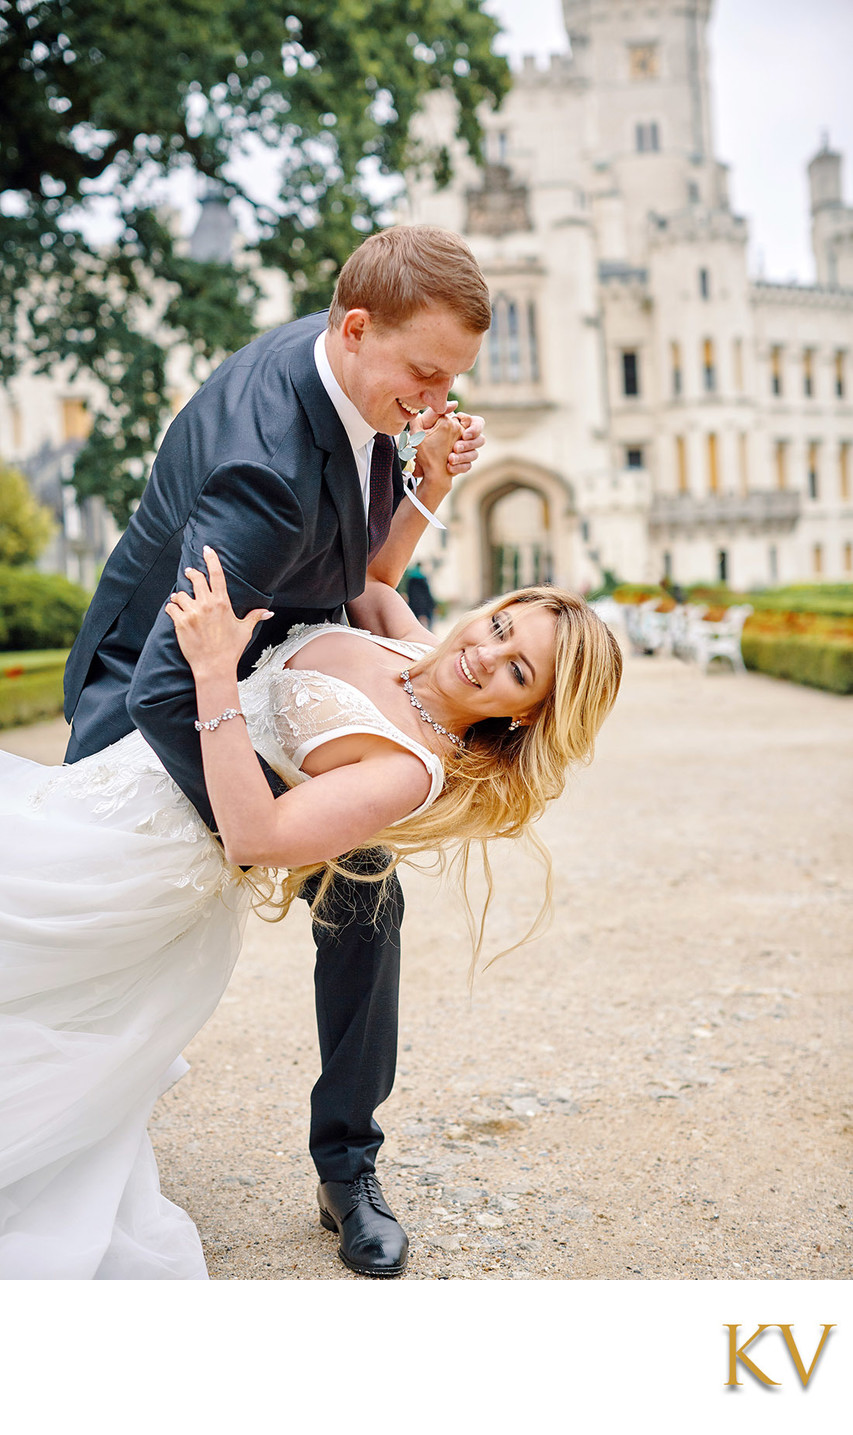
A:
(385, 612)
(320, 819)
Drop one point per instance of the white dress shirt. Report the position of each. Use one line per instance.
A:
(358, 430)
(360, 434)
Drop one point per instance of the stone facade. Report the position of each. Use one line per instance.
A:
(651, 408)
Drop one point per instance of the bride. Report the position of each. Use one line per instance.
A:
(121, 915)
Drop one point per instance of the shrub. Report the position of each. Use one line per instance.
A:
(26, 526)
(38, 610)
(817, 663)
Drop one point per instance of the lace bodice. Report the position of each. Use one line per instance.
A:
(290, 712)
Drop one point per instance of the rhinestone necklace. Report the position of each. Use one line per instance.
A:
(425, 717)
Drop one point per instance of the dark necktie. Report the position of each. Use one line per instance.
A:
(381, 493)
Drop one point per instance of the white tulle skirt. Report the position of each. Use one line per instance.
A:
(119, 927)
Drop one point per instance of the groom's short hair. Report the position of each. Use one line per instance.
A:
(400, 271)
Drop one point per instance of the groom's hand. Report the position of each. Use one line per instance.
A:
(464, 451)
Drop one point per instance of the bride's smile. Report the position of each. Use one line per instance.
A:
(500, 665)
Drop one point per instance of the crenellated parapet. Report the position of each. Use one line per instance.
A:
(557, 72)
(812, 296)
(697, 226)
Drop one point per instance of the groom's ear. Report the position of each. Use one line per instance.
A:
(355, 325)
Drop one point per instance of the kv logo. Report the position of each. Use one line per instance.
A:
(737, 1353)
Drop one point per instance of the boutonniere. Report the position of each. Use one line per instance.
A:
(407, 448)
(407, 451)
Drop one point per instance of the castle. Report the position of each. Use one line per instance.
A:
(651, 409)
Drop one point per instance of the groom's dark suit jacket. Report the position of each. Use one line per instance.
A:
(259, 466)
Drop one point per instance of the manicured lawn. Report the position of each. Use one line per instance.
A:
(31, 685)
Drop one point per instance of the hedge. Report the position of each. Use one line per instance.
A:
(38, 610)
(817, 664)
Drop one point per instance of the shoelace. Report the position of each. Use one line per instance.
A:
(367, 1185)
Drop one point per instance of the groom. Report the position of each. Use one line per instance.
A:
(281, 462)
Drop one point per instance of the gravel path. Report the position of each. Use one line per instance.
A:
(659, 1088)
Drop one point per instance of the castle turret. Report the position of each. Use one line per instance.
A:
(647, 133)
(832, 220)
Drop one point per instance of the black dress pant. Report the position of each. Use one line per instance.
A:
(356, 984)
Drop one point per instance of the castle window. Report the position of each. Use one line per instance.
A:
(743, 462)
(738, 364)
(513, 357)
(681, 463)
(495, 146)
(808, 373)
(723, 565)
(692, 192)
(634, 458)
(781, 455)
(847, 557)
(76, 420)
(817, 559)
(511, 360)
(705, 283)
(844, 470)
(713, 466)
(839, 373)
(643, 62)
(709, 372)
(532, 342)
(630, 373)
(773, 563)
(776, 370)
(675, 357)
(647, 137)
(813, 478)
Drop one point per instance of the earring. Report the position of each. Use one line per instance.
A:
(513, 725)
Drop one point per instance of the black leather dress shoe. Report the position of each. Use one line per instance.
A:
(372, 1243)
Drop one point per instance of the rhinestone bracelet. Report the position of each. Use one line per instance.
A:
(213, 723)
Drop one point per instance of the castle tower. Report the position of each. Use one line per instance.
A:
(647, 133)
(832, 221)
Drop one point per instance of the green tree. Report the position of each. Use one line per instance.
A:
(25, 524)
(102, 99)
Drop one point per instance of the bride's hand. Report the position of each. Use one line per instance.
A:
(435, 448)
(210, 635)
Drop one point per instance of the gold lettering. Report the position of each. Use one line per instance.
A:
(805, 1375)
(736, 1353)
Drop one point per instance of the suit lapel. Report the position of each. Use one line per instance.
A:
(339, 471)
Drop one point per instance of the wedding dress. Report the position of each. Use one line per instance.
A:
(120, 923)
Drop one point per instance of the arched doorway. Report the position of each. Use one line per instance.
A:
(517, 538)
(510, 523)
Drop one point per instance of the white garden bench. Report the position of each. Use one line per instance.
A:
(706, 641)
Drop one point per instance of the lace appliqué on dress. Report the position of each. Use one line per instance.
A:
(111, 780)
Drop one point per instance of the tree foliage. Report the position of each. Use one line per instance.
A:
(26, 525)
(108, 97)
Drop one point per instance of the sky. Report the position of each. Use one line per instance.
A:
(780, 77)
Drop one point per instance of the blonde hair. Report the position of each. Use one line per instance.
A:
(399, 271)
(502, 781)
